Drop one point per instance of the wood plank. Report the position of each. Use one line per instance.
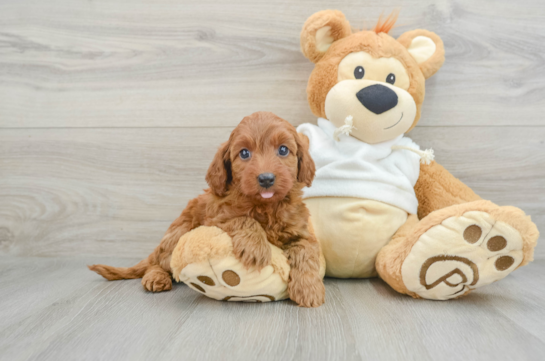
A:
(54, 307)
(58, 185)
(185, 64)
(115, 191)
(494, 318)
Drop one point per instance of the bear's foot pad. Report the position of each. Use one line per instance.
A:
(204, 260)
(226, 279)
(461, 254)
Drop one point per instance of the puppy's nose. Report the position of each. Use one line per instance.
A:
(266, 180)
(377, 98)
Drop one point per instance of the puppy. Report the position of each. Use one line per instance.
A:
(255, 194)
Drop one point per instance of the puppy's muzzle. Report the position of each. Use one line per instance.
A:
(377, 98)
(266, 180)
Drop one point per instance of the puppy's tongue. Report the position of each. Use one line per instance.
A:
(267, 194)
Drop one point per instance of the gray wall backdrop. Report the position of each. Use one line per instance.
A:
(110, 111)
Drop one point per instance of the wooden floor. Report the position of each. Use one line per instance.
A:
(55, 309)
(111, 110)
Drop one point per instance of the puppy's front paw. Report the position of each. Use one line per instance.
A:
(306, 290)
(252, 254)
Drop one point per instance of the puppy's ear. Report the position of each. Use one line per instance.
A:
(306, 167)
(219, 174)
(320, 31)
(426, 48)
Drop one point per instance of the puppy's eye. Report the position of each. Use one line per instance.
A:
(245, 154)
(359, 72)
(391, 78)
(283, 151)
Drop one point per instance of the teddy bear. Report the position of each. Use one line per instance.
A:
(379, 205)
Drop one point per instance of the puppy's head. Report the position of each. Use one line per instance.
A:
(263, 160)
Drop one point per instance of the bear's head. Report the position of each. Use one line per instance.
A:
(368, 78)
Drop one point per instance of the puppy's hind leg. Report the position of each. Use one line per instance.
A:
(156, 279)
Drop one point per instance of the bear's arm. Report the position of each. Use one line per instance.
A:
(436, 188)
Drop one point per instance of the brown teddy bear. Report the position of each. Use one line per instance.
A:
(380, 205)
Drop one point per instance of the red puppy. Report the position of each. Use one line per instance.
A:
(255, 193)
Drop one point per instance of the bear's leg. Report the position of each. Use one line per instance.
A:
(457, 249)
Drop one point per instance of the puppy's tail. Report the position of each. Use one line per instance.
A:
(121, 273)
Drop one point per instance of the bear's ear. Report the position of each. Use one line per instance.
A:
(320, 31)
(426, 48)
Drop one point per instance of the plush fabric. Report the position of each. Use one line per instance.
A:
(391, 258)
(433, 63)
(456, 242)
(324, 75)
(352, 231)
(336, 27)
(372, 124)
(204, 260)
(351, 168)
(436, 189)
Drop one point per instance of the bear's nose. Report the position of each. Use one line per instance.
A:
(266, 180)
(377, 98)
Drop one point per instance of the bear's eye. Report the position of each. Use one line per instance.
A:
(245, 154)
(359, 72)
(391, 78)
(283, 151)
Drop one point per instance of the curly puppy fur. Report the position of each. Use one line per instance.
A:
(234, 203)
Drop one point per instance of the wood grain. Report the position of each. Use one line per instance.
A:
(58, 309)
(180, 63)
(115, 191)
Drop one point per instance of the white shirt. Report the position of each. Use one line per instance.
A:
(352, 168)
